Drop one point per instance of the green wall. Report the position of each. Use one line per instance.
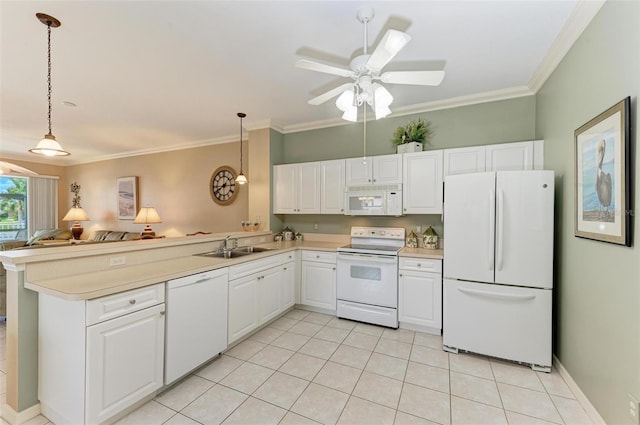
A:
(597, 287)
(494, 122)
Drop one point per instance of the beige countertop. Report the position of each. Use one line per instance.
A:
(93, 285)
(437, 254)
(84, 286)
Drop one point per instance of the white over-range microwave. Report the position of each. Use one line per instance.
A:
(373, 200)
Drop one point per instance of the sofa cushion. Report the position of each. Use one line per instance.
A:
(110, 235)
(49, 234)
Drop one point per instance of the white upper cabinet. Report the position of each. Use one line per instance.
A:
(296, 188)
(510, 156)
(422, 177)
(464, 160)
(499, 157)
(332, 187)
(379, 170)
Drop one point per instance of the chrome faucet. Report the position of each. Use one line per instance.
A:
(225, 243)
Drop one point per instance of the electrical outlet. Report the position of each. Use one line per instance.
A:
(419, 229)
(315, 226)
(117, 261)
(633, 409)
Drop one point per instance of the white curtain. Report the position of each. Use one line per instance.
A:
(42, 203)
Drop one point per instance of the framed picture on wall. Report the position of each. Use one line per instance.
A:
(602, 167)
(127, 188)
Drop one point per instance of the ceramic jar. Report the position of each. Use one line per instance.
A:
(430, 238)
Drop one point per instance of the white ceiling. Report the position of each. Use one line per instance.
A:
(150, 76)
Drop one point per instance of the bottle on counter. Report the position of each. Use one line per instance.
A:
(430, 238)
(412, 240)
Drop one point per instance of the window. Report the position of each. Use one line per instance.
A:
(13, 208)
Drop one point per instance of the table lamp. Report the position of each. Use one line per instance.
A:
(146, 216)
(76, 214)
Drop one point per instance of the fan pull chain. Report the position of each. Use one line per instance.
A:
(364, 153)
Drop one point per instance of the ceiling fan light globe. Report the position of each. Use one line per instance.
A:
(351, 114)
(382, 96)
(345, 100)
(382, 111)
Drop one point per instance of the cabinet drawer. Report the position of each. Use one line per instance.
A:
(319, 256)
(288, 257)
(421, 264)
(254, 266)
(105, 308)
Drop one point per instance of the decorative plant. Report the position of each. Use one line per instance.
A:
(414, 131)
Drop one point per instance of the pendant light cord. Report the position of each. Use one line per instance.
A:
(241, 144)
(49, 72)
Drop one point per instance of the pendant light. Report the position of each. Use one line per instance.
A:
(49, 146)
(241, 179)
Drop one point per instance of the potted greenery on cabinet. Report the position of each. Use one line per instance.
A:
(412, 136)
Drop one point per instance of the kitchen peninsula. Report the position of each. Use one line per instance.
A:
(81, 275)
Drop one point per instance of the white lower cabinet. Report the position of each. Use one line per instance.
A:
(420, 294)
(289, 279)
(318, 279)
(259, 291)
(98, 357)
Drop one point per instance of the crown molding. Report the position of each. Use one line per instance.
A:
(580, 17)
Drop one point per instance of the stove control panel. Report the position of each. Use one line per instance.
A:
(378, 232)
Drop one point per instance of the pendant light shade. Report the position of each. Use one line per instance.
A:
(49, 146)
(241, 179)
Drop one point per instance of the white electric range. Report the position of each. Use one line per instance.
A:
(367, 276)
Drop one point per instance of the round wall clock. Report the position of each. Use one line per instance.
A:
(223, 186)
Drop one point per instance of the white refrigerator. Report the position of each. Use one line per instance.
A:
(498, 265)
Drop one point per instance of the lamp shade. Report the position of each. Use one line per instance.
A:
(76, 214)
(147, 215)
(49, 146)
(241, 179)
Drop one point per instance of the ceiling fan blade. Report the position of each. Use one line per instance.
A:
(392, 42)
(320, 67)
(419, 78)
(328, 95)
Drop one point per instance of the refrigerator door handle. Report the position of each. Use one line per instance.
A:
(495, 295)
(500, 230)
(492, 230)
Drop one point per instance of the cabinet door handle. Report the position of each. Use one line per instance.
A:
(163, 312)
(333, 268)
(400, 274)
(132, 302)
(419, 265)
(285, 268)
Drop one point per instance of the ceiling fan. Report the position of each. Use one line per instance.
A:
(366, 70)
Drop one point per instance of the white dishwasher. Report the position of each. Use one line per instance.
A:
(196, 321)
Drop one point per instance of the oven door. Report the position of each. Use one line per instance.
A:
(368, 279)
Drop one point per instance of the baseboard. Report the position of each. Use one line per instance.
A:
(584, 401)
(17, 418)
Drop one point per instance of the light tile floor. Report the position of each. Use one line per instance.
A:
(309, 368)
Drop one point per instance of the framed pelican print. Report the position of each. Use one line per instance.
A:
(602, 167)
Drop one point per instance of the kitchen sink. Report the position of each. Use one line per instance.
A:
(234, 253)
(250, 249)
